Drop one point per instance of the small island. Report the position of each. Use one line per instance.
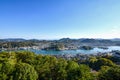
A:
(55, 47)
(86, 47)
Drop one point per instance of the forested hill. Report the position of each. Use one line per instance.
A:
(19, 42)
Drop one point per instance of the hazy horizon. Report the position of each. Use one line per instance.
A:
(57, 38)
(56, 19)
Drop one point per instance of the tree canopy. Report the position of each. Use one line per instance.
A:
(23, 65)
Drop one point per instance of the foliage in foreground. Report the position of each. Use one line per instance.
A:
(30, 66)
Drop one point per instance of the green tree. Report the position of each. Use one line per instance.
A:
(79, 72)
(59, 70)
(25, 56)
(44, 65)
(6, 69)
(96, 64)
(109, 73)
(24, 71)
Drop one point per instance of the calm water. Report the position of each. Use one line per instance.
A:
(95, 50)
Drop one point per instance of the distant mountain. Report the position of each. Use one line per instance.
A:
(13, 40)
(116, 39)
(33, 40)
(89, 40)
(69, 42)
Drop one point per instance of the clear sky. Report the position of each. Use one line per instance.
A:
(54, 19)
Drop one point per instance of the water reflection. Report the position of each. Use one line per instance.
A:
(95, 50)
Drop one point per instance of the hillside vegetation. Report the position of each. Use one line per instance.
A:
(29, 66)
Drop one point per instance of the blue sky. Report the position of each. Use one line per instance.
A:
(54, 19)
